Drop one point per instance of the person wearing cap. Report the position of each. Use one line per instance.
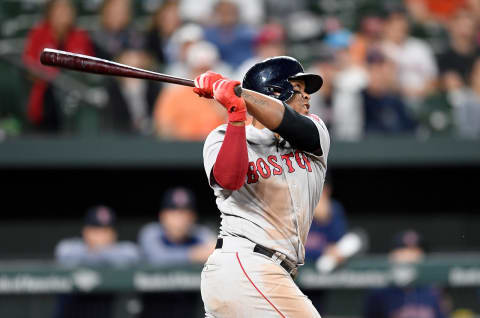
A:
(98, 244)
(175, 239)
(408, 247)
(384, 109)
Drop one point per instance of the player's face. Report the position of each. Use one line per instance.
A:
(300, 101)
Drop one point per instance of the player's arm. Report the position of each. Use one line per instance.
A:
(298, 130)
(231, 164)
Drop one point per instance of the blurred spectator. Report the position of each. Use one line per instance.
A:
(97, 247)
(328, 244)
(336, 35)
(115, 33)
(176, 239)
(131, 100)
(324, 63)
(57, 30)
(457, 62)
(269, 42)
(426, 25)
(165, 21)
(466, 105)
(251, 11)
(414, 59)
(280, 10)
(436, 10)
(409, 301)
(233, 39)
(368, 37)
(177, 48)
(383, 108)
(179, 113)
(349, 80)
(328, 226)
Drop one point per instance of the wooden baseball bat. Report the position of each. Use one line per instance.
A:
(94, 65)
(90, 64)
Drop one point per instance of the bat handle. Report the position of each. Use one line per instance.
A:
(238, 90)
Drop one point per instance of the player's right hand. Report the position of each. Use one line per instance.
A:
(223, 91)
(204, 83)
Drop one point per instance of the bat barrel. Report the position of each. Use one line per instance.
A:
(89, 64)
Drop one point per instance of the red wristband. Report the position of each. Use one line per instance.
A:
(240, 115)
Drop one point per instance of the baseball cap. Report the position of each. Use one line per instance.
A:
(101, 216)
(178, 198)
(270, 33)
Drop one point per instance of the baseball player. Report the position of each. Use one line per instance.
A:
(267, 178)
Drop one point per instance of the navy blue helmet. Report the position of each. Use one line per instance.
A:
(270, 77)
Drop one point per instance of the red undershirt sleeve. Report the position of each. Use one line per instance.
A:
(231, 165)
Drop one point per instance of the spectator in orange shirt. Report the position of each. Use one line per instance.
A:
(437, 10)
(179, 113)
(57, 31)
(367, 37)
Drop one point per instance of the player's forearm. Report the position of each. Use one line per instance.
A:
(263, 108)
(231, 165)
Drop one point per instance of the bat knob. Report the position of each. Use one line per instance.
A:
(46, 58)
(238, 90)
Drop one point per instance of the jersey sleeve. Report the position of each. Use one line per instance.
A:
(211, 148)
(322, 134)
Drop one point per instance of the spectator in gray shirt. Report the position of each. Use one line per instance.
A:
(176, 239)
(98, 244)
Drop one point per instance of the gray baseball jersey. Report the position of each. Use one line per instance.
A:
(275, 205)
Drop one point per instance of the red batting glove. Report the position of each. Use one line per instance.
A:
(224, 94)
(204, 83)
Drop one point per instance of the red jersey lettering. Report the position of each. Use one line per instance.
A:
(307, 162)
(299, 160)
(252, 175)
(277, 169)
(288, 162)
(263, 170)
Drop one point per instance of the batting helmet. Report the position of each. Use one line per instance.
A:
(270, 77)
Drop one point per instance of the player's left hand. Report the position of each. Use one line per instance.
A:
(204, 83)
(223, 92)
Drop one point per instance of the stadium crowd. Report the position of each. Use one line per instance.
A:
(406, 67)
